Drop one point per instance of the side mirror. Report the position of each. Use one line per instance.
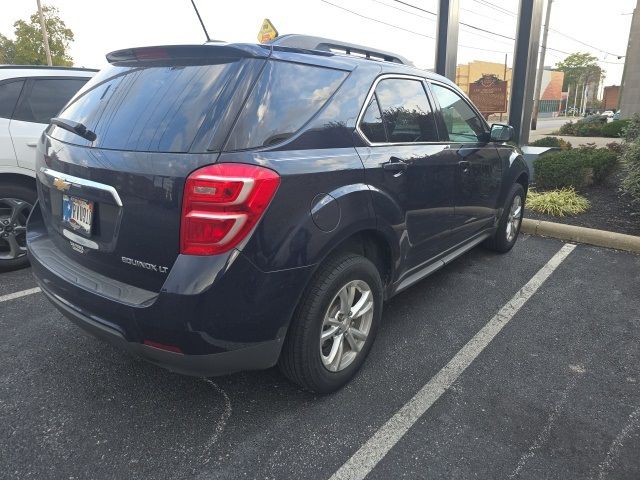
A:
(501, 132)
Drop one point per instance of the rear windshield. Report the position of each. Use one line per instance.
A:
(285, 97)
(152, 108)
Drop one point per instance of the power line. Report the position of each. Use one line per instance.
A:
(474, 27)
(509, 12)
(461, 23)
(406, 29)
(487, 31)
(482, 35)
(486, 3)
(417, 8)
(480, 14)
(405, 11)
(586, 44)
(378, 21)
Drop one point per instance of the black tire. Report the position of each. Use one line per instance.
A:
(24, 194)
(499, 241)
(300, 360)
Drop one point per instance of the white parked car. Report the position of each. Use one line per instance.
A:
(608, 114)
(29, 97)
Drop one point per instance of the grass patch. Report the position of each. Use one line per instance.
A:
(558, 203)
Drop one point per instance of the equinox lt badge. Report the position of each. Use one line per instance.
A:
(146, 265)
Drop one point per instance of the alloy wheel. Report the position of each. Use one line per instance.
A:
(346, 325)
(13, 228)
(514, 218)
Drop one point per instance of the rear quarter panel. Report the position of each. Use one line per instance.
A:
(287, 236)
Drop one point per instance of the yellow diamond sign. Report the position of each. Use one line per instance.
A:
(267, 32)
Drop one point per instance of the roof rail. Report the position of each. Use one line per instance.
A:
(47, 67)
(308, 42)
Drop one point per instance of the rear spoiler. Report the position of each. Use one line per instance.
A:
(208, 53)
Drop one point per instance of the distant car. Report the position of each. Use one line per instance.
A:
(608, 113)
(29, 97)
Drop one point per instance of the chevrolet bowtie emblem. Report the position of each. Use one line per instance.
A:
(61, 184)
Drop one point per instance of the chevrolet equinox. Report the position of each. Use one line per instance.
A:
(223, 207)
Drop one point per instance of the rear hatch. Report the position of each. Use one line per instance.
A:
(111, 198)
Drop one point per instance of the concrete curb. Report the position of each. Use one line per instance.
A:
(571, 233)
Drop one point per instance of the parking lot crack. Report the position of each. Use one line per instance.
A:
(220, 423)
(633, 422)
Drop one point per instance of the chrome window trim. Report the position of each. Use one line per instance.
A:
(372, 90)
(82, 182)
(465, 99)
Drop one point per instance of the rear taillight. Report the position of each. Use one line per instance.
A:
(221, 204)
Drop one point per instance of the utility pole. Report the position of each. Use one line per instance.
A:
(543, 51)
(630, 86)
(447, 38)
(523, 78)
(584, 98)
(504, 77)
(45, 37)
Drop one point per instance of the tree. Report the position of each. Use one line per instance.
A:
(7, 50)
(579, 67)
(28, 47)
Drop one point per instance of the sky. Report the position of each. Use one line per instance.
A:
(101, 26)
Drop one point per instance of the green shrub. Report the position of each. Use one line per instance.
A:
(601, 161)
(578, 167)
(632, 129)
(614, 129)
(630, 160)
(615, 147)
(596, 126)
(588, 129)
(560, 169)
(557, 202)
(594, 119)
(552, 142)
(567, 129)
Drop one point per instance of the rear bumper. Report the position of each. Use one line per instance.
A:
(259, 356)
(214, 315)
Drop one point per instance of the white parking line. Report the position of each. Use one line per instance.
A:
(374, 450)
(22, 293)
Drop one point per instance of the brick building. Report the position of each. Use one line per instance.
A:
(610, 97)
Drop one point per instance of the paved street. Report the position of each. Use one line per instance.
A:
(553, 123)
(555, 394)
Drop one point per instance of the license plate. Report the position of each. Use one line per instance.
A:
(77, 213)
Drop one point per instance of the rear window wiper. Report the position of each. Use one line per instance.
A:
(74, 127)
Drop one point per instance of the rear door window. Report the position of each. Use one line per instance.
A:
(285, 97)
(406, 111)
(45, 97)
(371, 124)
(9, 93)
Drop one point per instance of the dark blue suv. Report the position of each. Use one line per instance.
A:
(225, 207)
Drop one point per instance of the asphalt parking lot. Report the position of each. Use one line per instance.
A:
(555, 394)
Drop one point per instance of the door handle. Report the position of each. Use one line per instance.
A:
(465, 166)
(395, 164)
(32, 144)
